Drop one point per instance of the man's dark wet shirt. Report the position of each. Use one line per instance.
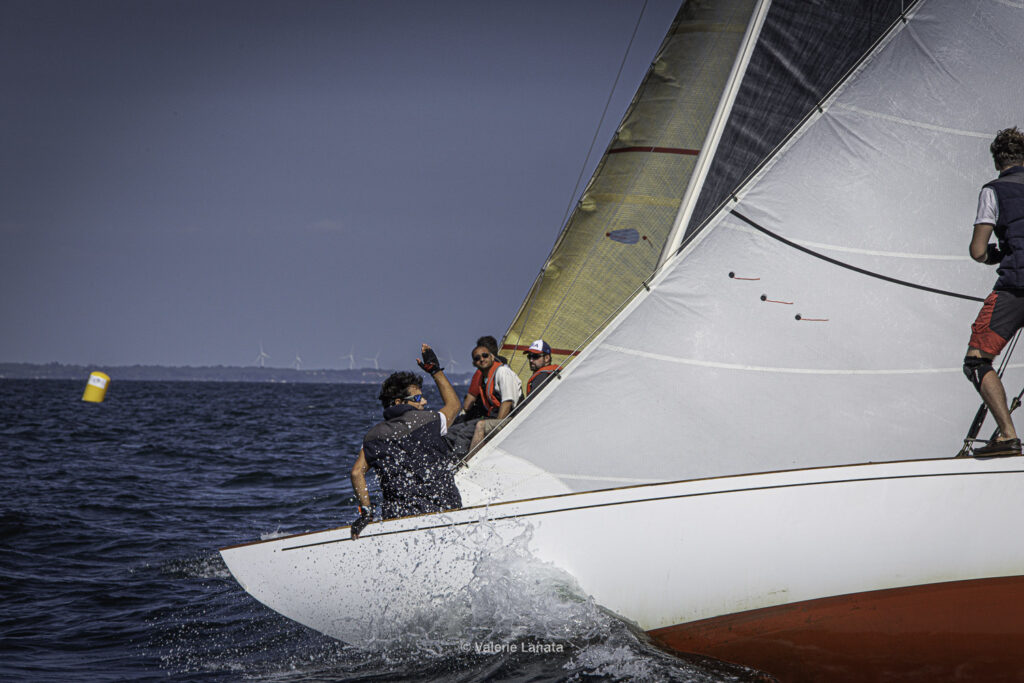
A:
(413, 462)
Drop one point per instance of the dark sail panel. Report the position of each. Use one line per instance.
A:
(805, 49)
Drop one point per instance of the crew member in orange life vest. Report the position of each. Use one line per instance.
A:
(474, 409)
(539, 355)
(499, 391)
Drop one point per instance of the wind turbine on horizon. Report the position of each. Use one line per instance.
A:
(452, 363)
(298, 362)
(351, 357)
(261, 359)
(375, 359)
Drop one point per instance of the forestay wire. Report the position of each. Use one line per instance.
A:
(528, 305)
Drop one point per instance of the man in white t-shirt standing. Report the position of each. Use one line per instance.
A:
(1000, 210)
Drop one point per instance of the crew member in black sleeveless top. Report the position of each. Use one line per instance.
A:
(407, 451)
(1000, 209)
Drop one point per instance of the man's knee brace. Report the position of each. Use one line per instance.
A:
(976, 368)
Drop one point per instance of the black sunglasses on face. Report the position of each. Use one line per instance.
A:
(414, 399)
(533, 356)
(481, 357)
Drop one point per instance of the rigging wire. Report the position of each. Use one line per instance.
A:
(604, 113)
(583, 168)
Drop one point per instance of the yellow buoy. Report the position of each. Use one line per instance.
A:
(96, 389)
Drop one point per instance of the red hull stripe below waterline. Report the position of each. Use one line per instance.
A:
(962, 631)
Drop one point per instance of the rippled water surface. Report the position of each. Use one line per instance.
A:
(111, 516)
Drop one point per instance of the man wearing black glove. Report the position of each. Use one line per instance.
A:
(407, 451)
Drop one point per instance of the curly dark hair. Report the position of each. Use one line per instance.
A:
(396, 385)
(1008, 148)
(489, 343)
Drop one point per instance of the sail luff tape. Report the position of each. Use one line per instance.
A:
(708, 148)
(96, 387)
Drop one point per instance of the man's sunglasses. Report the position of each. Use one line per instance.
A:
(481, 357)
(414, 399)
(534, 356)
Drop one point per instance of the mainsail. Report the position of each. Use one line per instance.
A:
(613, 238)
(768, 343)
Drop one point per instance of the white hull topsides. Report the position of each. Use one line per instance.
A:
(666, 554)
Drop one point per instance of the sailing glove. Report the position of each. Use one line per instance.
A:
(993, 255)
(430, 363)
(365, 517)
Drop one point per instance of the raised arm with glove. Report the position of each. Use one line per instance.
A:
(397, 404)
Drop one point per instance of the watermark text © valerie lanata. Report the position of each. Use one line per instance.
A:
(503, 648)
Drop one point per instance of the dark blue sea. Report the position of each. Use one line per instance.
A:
(111, 516)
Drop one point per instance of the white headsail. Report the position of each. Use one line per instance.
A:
(750, 354)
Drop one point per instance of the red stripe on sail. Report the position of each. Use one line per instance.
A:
(657, 150)
(524, 349)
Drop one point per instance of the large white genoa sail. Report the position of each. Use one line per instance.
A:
(772, 423)
(749, 354)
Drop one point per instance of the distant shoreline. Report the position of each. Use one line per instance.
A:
(217, 373)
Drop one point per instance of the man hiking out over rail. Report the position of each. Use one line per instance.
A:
(1000, 209)
(413, 462)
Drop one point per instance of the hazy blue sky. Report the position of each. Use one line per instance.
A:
(181, 180)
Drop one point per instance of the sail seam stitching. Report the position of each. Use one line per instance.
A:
(866, 252)
(911, 122)
(795, 371)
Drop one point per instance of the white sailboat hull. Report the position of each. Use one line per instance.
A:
(665, 555)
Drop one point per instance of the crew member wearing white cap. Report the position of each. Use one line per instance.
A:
(539, 355)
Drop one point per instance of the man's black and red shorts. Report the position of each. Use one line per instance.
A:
(1001, 316)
